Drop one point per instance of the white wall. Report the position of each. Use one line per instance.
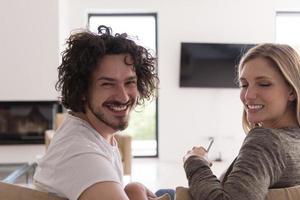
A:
(187, 116)
(29, 58)
(28, 49)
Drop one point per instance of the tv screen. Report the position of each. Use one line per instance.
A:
(211, 65)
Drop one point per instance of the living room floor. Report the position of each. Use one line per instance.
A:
(157, 174)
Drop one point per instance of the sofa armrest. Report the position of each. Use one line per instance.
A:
(182, 193)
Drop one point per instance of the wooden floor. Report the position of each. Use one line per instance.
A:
(157, 174)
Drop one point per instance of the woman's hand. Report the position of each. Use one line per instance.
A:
(199, 152)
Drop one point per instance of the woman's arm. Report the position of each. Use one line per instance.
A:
(259, 164)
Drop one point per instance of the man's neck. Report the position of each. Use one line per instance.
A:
(105, 131)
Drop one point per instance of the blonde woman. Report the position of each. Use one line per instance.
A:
(269, 79)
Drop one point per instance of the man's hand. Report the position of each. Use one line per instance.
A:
(137, 191)
(150, 194)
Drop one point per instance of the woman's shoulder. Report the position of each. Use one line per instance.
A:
(280, 133)
(263, 138)
(261, 132)
(275, 139)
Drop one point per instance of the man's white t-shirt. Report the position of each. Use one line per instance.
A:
(77, 158)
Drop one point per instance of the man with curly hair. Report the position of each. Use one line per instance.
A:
(102, 78)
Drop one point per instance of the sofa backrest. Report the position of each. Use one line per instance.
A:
(290, 193)
(18, 192)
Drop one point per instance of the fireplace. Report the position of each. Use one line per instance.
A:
(25, 122)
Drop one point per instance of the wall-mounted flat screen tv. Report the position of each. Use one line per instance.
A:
(211, 65)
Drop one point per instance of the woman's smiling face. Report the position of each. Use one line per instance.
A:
(265, 94)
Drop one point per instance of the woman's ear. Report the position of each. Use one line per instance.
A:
(83, 98)
(292, 95)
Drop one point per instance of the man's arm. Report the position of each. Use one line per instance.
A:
(104, 191)
(114, 191)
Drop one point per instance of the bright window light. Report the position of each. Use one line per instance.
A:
(142, 29)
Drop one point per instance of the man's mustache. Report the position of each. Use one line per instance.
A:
(118, 103)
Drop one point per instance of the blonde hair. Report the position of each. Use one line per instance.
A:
(286, 60)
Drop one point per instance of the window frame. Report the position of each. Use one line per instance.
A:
(282, 13)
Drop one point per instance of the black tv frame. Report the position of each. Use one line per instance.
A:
(210, 65)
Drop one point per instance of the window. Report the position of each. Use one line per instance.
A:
(143, 122)
(288, 28)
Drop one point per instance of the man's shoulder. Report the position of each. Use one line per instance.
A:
(73, 129)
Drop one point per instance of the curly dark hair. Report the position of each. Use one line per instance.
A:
(85, 49)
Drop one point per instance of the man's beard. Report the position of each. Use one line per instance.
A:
(122, 121)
